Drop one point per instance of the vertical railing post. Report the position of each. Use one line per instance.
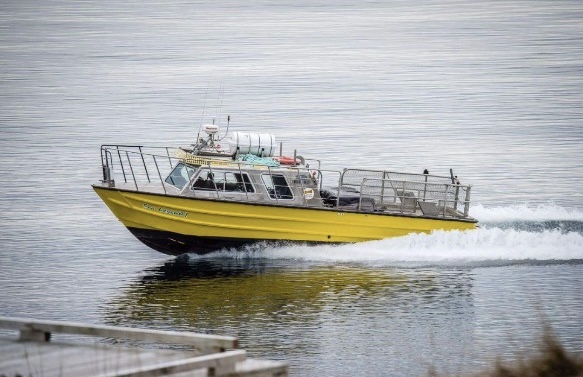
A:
(159, 174)
(302, 185)
(425, 187)
(243, 181)
(362, 183)
(403, 196)
(123, 171)
(467, 201)
(132, 170)
(144, 162)
(385, 176)
(107, 168)
(338, 190)
(457, 191)
(168, 154)
(445, 200)
(273, 184)
(213, 180)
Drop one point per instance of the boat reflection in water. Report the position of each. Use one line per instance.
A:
(284, 307)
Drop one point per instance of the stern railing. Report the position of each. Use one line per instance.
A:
(433, 195)
(432, 199)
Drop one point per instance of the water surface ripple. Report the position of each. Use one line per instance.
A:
(489, 89)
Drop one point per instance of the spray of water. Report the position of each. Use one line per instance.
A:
(507, 235)
(526, 212)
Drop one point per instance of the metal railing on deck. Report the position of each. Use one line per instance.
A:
(141, 165)
(376, 190)
(401, 192)
(137, 164)
(437, 199)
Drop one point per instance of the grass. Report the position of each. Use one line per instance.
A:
(551, 360)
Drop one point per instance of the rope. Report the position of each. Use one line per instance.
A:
(253, 159)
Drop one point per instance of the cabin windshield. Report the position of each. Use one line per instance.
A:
(180, 175)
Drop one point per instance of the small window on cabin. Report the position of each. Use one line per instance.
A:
(231, 184)
(303, 178)
(244, 182)
(277, 186)
(180, 175)
(223, 181)
(205, 181)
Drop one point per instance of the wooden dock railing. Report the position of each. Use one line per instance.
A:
(33, 353)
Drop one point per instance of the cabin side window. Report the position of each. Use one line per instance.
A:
(223, 181)
(237, 182)
(180, 175)
(304, 179)
(243, 182)
(277, 186)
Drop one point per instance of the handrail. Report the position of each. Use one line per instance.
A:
(159, 175)
(386, 172)
(384, 186)
(445, 193)
(138, 150)
(32, 329)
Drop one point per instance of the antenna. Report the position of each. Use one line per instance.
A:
(202, 116)
(220, 101)
(226, 132)
(204, 105)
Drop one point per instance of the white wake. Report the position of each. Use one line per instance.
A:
(501, 237)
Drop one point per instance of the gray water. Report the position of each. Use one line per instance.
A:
(491, 89)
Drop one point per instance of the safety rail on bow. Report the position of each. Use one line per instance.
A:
(136, 163)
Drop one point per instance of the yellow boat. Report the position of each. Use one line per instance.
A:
(225, 192)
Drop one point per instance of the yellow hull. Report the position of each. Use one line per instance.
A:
(175, 225)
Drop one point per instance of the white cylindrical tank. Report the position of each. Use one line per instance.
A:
(253, 143)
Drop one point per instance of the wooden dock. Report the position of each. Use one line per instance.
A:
(31, 353)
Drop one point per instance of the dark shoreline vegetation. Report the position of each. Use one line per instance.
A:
(550, 360)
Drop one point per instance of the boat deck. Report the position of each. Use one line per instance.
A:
(396, 203)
